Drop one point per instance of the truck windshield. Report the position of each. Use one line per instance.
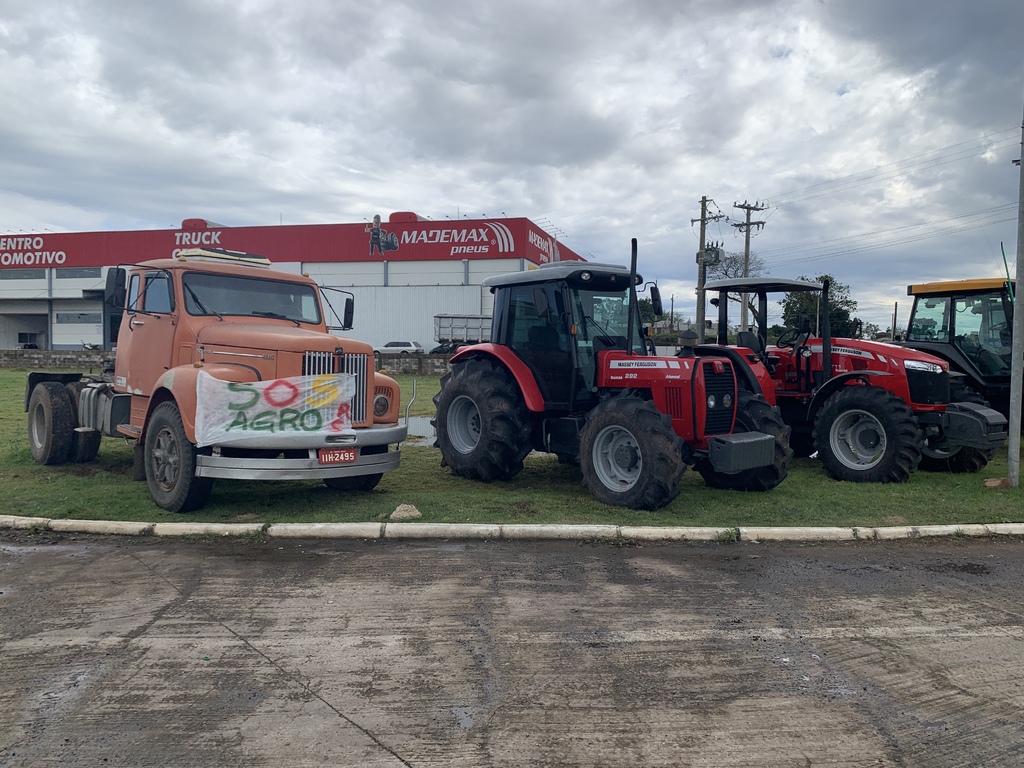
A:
(213, 294)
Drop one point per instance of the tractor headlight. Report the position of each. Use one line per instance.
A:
(711, 402)
(727, 400)
(381, 404)
(920, 365)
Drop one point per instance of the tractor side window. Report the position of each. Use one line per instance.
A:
(982, 333)
(931, 320)
(157, 296)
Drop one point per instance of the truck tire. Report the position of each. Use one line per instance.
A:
(482, 425)
(84, 445)
(754, 414)
(962, 459)
(171, 463)
(51, 423)
(629, 455)
(866, 434)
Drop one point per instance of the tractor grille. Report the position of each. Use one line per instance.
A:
(316, 363)
(928, 388)
(674, 402)
(718, 420)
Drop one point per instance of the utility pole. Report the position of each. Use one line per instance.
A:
(1017, 346)
(748, 207)
(702, 262)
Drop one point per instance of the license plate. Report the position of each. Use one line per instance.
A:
(337, 455)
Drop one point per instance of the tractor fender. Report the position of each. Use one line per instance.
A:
(836, 383)
(520, 371)
(179, 384)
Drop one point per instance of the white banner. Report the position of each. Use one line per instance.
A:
(229, 410)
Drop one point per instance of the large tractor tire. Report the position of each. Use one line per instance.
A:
(51, 423)
(85, 444)
(482, 425)
(171, 463)
(754, 414)
(866, 434)
(962, 459)
(629, 455)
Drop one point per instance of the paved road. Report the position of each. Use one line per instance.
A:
(151, 652)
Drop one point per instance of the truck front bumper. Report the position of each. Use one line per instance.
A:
(308, 467)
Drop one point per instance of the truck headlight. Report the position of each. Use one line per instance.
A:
(381, 404)
(920, 365)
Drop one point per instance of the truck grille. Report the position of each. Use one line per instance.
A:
(316, 363)
(718, 420)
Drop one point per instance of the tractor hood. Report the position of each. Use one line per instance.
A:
(879, 350)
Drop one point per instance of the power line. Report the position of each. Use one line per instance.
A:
(898, 167)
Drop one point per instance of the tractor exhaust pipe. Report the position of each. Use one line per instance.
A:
(632, 299)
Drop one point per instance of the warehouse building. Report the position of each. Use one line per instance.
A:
(402, 272)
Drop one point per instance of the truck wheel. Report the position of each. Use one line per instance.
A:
(357, 483)
(962, 459)
(629, 455)
(754, 414)
(51, 423)
(482, 425)
(84, 445)
(867, 435)
(171, 463)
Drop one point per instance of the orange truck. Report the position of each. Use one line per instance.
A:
(224, 368)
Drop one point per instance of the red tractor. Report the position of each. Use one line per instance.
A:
(570, 371)
(872, 411)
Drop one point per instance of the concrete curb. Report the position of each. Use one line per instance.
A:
(516, 532)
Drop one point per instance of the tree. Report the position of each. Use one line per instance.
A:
(731, 267)
(799, 304)
(646, 307)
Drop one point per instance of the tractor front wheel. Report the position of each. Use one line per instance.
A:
(629, 455)
(482, 425)
(866, 434)
(754, 414)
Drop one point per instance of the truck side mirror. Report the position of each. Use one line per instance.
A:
(114, 290)
(348, 312)
(659, 308)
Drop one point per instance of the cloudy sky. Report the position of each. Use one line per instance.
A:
(879, 135)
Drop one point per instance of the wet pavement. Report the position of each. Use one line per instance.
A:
(137, 651)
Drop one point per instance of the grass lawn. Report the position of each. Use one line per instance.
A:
(545, 492)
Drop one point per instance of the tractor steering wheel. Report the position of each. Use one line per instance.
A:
(787, 338)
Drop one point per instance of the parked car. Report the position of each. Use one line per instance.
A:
(400, 348)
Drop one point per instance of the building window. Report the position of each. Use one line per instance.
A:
(28, 340)
(79, 318)
(72, 272)
(22, 274)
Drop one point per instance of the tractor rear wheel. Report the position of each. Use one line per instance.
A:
(51, 423)
(866, 434)
(961, 459)
(482, 425)
(754, 414)
(629, 454)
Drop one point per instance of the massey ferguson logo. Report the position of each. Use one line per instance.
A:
(468, 240)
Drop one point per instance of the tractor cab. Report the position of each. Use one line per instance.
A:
(558, 319)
